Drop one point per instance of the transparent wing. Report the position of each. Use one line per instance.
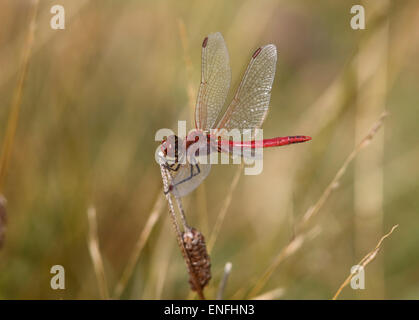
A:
(251, 101)
(188, 177)
(215, 81)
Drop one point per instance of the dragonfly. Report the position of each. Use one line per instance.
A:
(247, 111)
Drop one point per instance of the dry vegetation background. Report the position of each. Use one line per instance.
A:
(96, 92)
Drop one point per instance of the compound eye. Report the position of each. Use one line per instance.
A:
(164, 147)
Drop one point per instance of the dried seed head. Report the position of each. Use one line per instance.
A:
(194, 243)
(2, 219)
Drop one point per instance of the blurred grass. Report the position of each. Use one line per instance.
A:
(95, 94)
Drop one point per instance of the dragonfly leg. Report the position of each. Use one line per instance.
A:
(192, 174)
(171, 166)
(186, 179)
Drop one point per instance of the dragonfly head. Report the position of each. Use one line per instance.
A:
(172, 149)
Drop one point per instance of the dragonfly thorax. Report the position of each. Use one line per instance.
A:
(177, 150)
(198, 144)
(173, 149)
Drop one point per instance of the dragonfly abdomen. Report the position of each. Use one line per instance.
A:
(273, 142)
(283, 141)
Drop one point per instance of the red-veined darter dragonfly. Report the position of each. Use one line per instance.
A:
(246, 111)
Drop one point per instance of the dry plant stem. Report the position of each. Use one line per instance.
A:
(3, 219)
(139, 246)
(286, 252)
(223, 211)
(194, 243)
(158, 206)
(312, 211)
(182, 213)
(365, 260)
(271, 295)
(300, 236)
(93, 244)
(223, 283)
(17, 98)
(166, 177)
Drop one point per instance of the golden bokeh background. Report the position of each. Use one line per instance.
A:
(96, 92)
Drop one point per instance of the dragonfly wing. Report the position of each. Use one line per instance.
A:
(251, 101)
(215, 81)
(188, 177)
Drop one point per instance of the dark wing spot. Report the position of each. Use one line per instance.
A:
(204, 44)
(256, 53)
